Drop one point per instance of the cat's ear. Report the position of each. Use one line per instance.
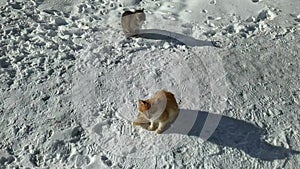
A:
(142, 102)
(140, 10)
(127, 13)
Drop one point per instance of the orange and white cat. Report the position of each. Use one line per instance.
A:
(159, 111)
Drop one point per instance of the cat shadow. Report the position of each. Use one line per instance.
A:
(230, 132)
(177, 38)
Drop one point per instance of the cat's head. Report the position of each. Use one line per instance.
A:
(140, 15)
(144, 107)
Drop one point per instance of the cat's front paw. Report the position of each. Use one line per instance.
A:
(159, 131)
(151, 128)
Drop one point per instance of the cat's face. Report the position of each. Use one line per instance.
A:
(140, 15)
(144, 107)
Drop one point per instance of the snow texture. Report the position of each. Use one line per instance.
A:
(71, 80)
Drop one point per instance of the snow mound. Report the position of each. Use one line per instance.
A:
(113, 75)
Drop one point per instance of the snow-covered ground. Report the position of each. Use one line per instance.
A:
(70, 82)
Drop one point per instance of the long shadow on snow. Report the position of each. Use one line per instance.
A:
(232, 133)
(157, 34)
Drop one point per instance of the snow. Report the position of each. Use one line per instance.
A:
(70, 82)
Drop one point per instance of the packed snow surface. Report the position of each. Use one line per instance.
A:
(70, 82)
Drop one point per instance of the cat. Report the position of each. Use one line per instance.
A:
(159, 111)
(132, 22)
